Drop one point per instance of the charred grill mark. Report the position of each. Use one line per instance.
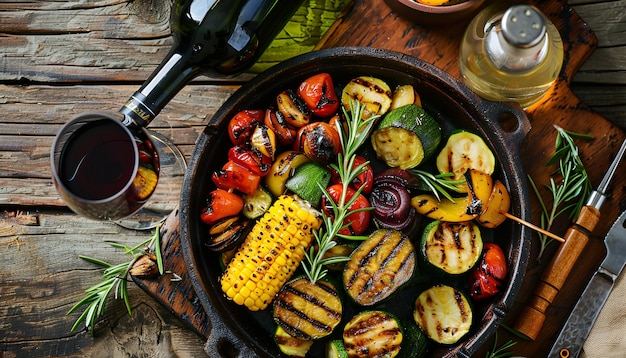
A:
(313, 300)
(298, 333)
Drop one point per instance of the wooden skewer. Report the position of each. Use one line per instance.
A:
(532, 226)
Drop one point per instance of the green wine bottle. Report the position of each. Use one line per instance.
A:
(220, 38)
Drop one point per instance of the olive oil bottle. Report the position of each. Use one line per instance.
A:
(511, 53)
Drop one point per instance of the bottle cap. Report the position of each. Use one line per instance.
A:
(523, 26)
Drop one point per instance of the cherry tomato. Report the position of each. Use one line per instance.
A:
(234, 176)
(483, 286)
(494, 261)
(276, 121)
(319, 141)
(250, 158)
(243, 124)
(359, 221)
(220, 204)
(487, 277)
(318, 92)
(365, 179)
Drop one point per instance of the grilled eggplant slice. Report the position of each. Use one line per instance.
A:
(379, 267)
(443, 313)
(293, 347)
(452, 248)
(307, 310)
(372, 334)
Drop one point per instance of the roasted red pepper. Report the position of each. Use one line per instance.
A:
(220, 204)
(358, 221)
(318, 92)
(487, 277)
(250, 158)
(365, 179)
(236, 177)
(243, 124)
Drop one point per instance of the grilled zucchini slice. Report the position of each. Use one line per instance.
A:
(443, 313)
(380, 266)
(335, 349)
(452, 248)
(406, 136)
(463, 151)
(307, 310)
(373, 334)
(293, 347)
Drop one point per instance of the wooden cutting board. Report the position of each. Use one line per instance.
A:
(372, 23)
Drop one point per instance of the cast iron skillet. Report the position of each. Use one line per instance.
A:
(235, 331)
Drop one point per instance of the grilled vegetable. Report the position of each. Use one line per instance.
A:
(364, 180)
(406, 136)
(277, 122)
(414, 341)
(264, 140)
(284, 166)
(257, 203)
(306, 182)
(250, 158)
(243, 124)
(307, 310)
(270, 253)
(292, 347)
(404, 95)
(380, 266)
(453, 248)
(227, 233)
(372, 92)
(296, 112)
(499, 202)
(233, 176)
(465, 150)
(392, 204)
(335, 349)
(359, 220)
(220, 204)
(318, 92)
(372, 334)
(319, 141)
(444, 210)
(443, 313)
(487, 277)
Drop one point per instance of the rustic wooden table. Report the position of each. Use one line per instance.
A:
(58, 59)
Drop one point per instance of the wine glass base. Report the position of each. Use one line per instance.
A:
(172, 171)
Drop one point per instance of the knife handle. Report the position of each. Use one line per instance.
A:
(581, 320)
(532, 316)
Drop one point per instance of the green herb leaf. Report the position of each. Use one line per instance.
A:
(115, 279)
(358, 130)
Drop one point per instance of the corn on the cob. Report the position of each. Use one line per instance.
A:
(270, 253)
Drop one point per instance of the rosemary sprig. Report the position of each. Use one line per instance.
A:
(439, 184)
(115, 279)
(569, 184)
(357, 131)
(500, 352)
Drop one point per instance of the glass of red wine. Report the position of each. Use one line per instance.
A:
(105, 170)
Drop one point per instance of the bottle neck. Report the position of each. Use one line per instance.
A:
(223, 38)
(511, 58)
(164, 83)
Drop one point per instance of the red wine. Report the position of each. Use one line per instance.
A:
(98, 161)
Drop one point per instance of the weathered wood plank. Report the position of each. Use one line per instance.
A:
(41, 270)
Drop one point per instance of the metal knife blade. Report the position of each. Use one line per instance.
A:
(581, 320)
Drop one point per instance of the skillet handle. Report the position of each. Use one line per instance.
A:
(512, 120)
(223, 343)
